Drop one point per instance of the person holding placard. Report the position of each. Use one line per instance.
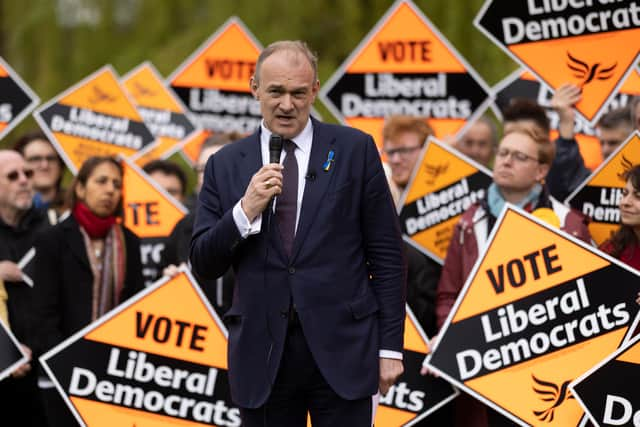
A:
(624, 244)
(522, 161)
(20, 222)
(85, 265)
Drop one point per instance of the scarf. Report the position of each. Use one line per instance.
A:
(496, 201)
(95, 226)
(108, 270)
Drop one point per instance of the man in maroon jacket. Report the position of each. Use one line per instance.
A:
(522, 162)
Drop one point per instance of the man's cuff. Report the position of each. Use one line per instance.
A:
(390, 354)
(245, 227)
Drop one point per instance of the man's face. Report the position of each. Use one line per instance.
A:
(42, 158)
(16, 187)
(286, 91)
(611, 138)
(402, 154)
(516, 168)
(476, 143)
(170, 183)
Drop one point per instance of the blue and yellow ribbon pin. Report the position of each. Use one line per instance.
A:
(329, 162)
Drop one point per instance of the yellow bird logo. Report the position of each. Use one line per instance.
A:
(626, 167)
(98, 95)
(434, 171)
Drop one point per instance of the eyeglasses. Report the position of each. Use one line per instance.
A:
(519, 156)
(15, 175)
(39, 159)
(402, 152)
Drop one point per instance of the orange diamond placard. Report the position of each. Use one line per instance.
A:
(599, 195)
(159, 359)
(591, 44)
(17, 99)
(607, 391)
(149, 211)
(444, 184)
(535, 313)
(213, 83)
(523, 84)
(405, 66)
(12, 355)
(413, 397)
(95, 117)
(161, 111)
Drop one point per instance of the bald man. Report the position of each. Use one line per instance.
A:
(19, 223)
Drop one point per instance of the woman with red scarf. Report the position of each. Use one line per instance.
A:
(85, 265)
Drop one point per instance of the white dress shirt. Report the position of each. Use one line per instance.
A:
(302, 153)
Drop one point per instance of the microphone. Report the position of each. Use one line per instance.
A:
(275, 148)
(310, 176)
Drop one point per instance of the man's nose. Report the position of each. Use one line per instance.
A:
(285, 102)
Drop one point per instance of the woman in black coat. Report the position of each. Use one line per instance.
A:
(85, 265)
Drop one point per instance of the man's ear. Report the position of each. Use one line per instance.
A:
(543, 170)
(253, 85)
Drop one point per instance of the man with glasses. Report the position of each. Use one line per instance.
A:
(48, 170)
(522, 162)
(19, 223)
(403, 138)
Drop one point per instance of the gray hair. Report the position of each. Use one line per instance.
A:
(291, 45)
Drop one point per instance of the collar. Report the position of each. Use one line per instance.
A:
(302, 140)
(28, 220)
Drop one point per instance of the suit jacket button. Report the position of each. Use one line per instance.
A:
(292, 270)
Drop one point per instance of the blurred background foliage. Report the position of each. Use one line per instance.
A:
(53, 44)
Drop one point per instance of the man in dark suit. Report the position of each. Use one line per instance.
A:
(318, 313)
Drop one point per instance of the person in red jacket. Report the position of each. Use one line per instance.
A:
(522, 162)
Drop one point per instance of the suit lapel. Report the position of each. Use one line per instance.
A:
(252, 161)
(314, 190)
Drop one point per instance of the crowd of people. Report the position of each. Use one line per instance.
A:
(87, 262)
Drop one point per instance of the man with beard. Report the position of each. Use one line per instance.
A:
(19, 223)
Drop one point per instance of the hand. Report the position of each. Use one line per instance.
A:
(425, 370)
(24, 368)
(10, 272)
(563, 101)
(265, 184)
(390, 370)
(172, 270)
